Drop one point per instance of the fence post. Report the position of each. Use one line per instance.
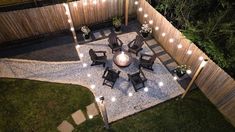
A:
(126, 11)
(202, 65)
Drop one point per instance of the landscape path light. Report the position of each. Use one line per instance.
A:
(103, 111)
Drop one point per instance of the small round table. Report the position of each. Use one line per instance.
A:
(122, 59)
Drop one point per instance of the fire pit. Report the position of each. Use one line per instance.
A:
(122, 59)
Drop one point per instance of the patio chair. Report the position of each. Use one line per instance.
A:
(147, 61)
(137, 79)
(135, 46)
(96, 58)
(114, 42)
(110, 76)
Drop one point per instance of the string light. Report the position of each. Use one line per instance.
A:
(72, 29)
(156, 28)
(94, 2)
(189, 52)
(140, 9)
(150, 21)
(136, 2)
(171, 40)
(67, 13)
(85, 3)
(69, 21)
(179, 46)
(200, 58)
(75, 4)
(75, 37)
(163, 34)
(145, 15)
(103, 0)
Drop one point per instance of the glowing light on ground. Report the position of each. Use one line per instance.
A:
(92, 86)
(160, 84)
(84, 64)
(146, 89)
(130, 94)
(113, 99)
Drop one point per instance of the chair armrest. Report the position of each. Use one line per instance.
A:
(129, 44)
(104, 52)
(106, 69)
(120, 41)
(141, 72)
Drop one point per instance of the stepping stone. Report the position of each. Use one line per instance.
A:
(92, 110)
(151, 42)
(78, 117)
(107, 32)
(97, 35)
(65, 126)
(171, 66)
(158, 49)
(164, 57)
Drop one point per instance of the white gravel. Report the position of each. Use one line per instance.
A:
(91, 77)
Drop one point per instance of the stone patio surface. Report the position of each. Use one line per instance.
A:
(118, 102)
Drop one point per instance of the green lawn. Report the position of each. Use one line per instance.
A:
(41, 106)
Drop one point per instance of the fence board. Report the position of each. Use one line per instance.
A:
(213, 81)
(35, 21)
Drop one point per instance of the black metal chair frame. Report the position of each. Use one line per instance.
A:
(114, 42)
(137, 42)
(95, 58)
(140, 78)
(147, 63)
(110, 77)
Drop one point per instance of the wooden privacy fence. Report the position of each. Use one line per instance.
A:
(35, 21)
(216, 84)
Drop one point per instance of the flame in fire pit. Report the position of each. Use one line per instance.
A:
(122, 58)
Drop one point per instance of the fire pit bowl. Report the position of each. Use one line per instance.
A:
(122, 59)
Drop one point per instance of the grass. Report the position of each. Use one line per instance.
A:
(40, 106)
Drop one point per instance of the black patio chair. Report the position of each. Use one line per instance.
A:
(135, 46)
(147, 61)
(114, 42)
(96, 58)
(137, 79)
(110, 76)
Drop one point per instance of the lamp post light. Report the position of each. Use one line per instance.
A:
(202, 65)
(103, 111)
